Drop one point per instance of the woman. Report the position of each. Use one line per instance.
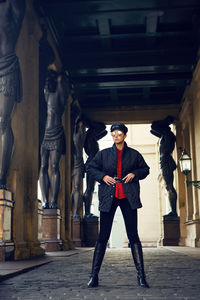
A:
(118, 170)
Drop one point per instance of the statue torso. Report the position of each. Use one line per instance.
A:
(10, 25)
(54, 110)
(167, 144)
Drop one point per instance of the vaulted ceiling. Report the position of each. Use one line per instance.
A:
(126, 52)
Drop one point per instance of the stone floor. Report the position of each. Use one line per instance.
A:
(172, 273)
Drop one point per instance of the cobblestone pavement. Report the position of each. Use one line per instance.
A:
(171, 275)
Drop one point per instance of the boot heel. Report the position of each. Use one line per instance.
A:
(94, 281)
(142, 282)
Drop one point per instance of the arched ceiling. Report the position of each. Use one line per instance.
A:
(126, 52)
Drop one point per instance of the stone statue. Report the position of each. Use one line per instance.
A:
(162, 130)
(47, 57)
(56, 92)
(79, 136)
(95, 132)
(11, 16)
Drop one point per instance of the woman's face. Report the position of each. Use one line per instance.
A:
(118, 136)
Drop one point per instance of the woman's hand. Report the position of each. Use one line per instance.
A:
(129, 177)
(108, 180)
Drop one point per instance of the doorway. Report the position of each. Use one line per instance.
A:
(150, 215)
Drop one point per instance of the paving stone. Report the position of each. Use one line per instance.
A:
(171, 275)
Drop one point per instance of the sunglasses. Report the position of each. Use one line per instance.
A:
(114, 133)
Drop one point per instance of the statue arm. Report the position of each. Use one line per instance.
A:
(168, 143)
(160, 128)
(154, 132)
(75, 107)
(64, 89)
(94, 168)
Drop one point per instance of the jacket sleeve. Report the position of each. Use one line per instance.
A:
(142, 169)
(94, 168)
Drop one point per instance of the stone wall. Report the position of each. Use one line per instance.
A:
(190, 140)
(23, 173)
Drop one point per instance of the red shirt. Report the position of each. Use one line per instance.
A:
(119, 190)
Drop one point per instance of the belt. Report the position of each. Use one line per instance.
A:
(118, 179)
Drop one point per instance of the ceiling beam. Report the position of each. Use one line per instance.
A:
(91, 6)
(131, 70)
(147, 35)
(165, 51)
(129, 58)
(134, 84)
(124, 102)
(131, 114)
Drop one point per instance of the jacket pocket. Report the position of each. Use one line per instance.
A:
(106, 192)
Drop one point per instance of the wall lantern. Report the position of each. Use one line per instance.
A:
(185, 165)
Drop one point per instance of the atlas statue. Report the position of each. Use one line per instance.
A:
(96, 131)
(56, 92)
(11, 16)
(161, 129)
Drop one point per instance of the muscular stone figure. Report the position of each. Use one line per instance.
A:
(79, 136)
(53, 145)
(95, 132)
(162, 130)
(11, 17)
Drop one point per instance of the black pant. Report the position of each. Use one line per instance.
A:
(130, 220)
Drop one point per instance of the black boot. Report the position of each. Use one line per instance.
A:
(96, 264)
(136, 249)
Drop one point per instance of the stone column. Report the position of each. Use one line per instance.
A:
(23, 175)
(192, 211)
(6, 219)
(64, 201)
(181, 192)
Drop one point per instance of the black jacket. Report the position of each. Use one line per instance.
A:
(105, 163)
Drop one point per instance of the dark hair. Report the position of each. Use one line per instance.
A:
(119, 126)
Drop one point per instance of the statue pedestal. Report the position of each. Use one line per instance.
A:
(76, 232)
(6, 215)
(171, 231)
(91, 231)
(51, 229)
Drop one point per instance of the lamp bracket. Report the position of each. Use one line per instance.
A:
(195, 183)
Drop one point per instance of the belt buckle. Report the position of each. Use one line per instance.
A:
(118, 179)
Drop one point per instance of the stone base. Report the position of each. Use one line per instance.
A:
(6, 251)
(21, 251)
(76, 232)
(193, 233)
(67, 245)
(6, 215)
(51, 230)
(37, 250)
(91, 231)
(171, 231)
